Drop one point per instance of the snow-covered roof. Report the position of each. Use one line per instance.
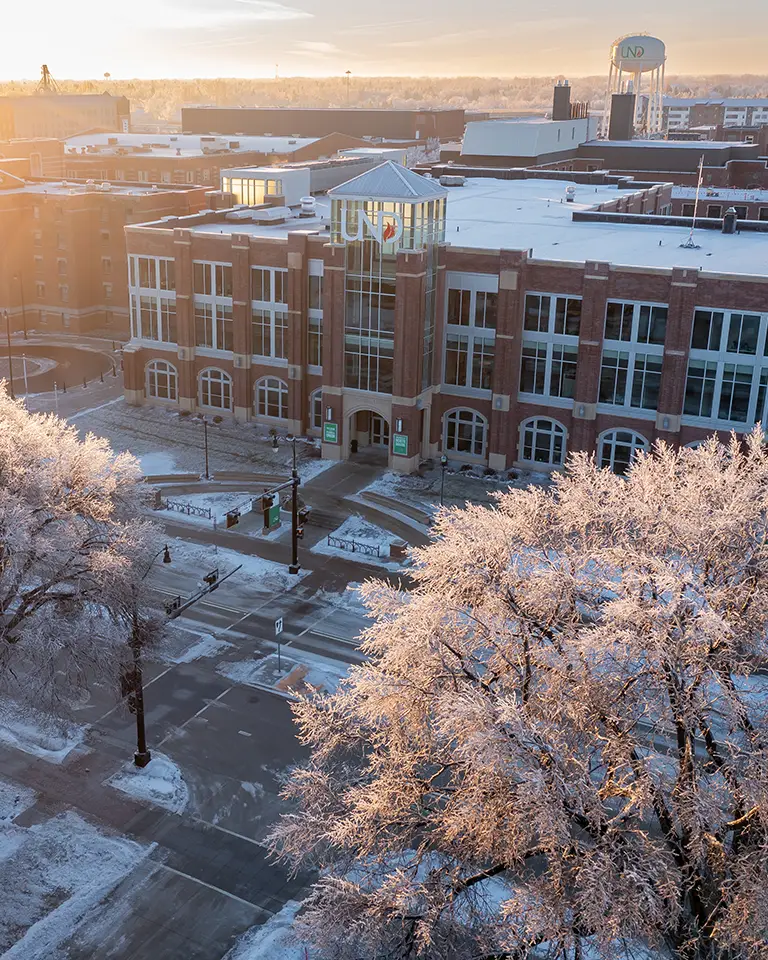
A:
(532, 214)
(65, 188)
(715, 101)
(169, 145)
(699, 145)
(389, 181)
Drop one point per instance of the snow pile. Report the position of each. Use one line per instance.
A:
(56, 872)
(37, 733)
(362, 532)
(205, 646)
(160, 782)
(273, 940)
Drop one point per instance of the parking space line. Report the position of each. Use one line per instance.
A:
(210, 886)
(194, 716)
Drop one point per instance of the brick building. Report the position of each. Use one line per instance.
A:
(487, 321)
(63, 261)
(41, 157)
(714, 201)
(171, 158)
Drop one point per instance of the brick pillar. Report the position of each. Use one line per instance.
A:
(185, 318)
(333, 347)
(242, 391)
(431, 422)
(682, 303)
(410, 304)
(133, 374)
(594, 297)
(298, 398)
(506, 367)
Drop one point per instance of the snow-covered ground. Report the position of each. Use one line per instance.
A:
(295, 671)
(40, 734)
(51, 874)
(361, 531)
(273, 940)
(257, 574)
(160, 782)
(218, 503)
(182, 647)
(349, 598)
(158, 464)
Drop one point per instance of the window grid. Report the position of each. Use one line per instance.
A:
(470, 339)
(550, 346)
(725, 368)
(618, 448)
(272, 398)
(630, 377)
(162, 380)
(543, 441)
(465, 432)
(215, 389)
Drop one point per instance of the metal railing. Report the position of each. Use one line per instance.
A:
(189, 509)
(354, 546)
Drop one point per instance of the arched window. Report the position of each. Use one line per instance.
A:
(162, 380)
(465, 432)
(617, 449)
(543, 441)
(272, 398)
(215, 389)
(316, 410)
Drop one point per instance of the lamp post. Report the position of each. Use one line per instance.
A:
(142, 756)
(443, 465)
(10, 356)
(294, 566)
(20, 280)
(205, 434)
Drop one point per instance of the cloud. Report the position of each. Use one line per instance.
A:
(272, 10)
(316, 46)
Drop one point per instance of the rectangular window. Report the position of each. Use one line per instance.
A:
(688, 209)
(38, 264)
(458, 307)
(482, 363)
(315, 342)
(202, 280)
(562, 379)
(281, 286)
(652, 324)
(646, 380)
(39, 289)
(203, 324)
(168, 320)
(618, 320)
(261, 288)
(567, 316)
(37, 238)
(106, 265)
(107, 291)
(63, 293)
(456, 354)
(707, 330)
(61, 241)
(735, 392)
(743, 332)
(763, 215)
(147, 272)
(148, 318)
(281, 330)
(224, 328)
(715, 210)
(485, 309)
(261, 328)
(537, 313)
(167, 271)
(105, 236)
(700, 388)
(315, 293)
(223, 275)
(613, 377)
(61, 267)
(533, 369)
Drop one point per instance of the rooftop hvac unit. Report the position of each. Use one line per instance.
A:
(174, 139)
(207, 139)
(452, 180)
(112, 141)
(291, 141)
(308, 207)
(234, 144)
(570, 194)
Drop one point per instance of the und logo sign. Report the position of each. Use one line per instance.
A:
(632, 53)
(387, 228)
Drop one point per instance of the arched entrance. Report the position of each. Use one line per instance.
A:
(369, 437)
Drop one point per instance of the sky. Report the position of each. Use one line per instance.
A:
(82, 39)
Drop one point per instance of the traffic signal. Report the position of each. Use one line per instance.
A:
(212, 577)
(233, 518)
(304, 515)
(300, 532)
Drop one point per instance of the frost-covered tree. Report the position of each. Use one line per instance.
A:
(73, 548)
(559, 746)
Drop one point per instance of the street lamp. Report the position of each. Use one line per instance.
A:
(205, 434)
(295, 481)
(142, 756)
(10, 356)
(443, 465)
(18, 277)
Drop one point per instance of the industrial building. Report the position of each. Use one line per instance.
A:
(62, 115)
(63, 264)
(384, 124)
(502, 322)
(684, 113)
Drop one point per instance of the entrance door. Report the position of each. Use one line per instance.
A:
(379, 431)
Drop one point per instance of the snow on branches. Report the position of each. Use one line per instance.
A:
(559, 746)
(73, 547)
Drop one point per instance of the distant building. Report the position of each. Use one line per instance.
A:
(63, 263)
(32, 158)
(382, 124)
(182, 158)
(683, 113)
(62, 115)
(503, 322)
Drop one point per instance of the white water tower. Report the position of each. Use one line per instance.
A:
(634, 58)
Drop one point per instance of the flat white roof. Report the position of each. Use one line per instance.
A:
(671, 144)
(191, 145)
(524, 214)
(64, 188)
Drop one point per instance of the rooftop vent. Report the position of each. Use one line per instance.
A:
(234, 144)
(308, 207)
(112, 141)
(451, 180)
(570, 194)
(729, 221)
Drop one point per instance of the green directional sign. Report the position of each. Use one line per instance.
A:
(331, 432)
(274, 513)
(400, 445)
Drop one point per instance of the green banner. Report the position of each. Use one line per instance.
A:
(400, 445)
(331, 432)
(274, 513)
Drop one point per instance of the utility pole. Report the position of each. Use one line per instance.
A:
(443, 465)
(10, 356)
(20, 278)
(205, 433)
(294, 567)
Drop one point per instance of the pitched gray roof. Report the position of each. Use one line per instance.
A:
(389, 181)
